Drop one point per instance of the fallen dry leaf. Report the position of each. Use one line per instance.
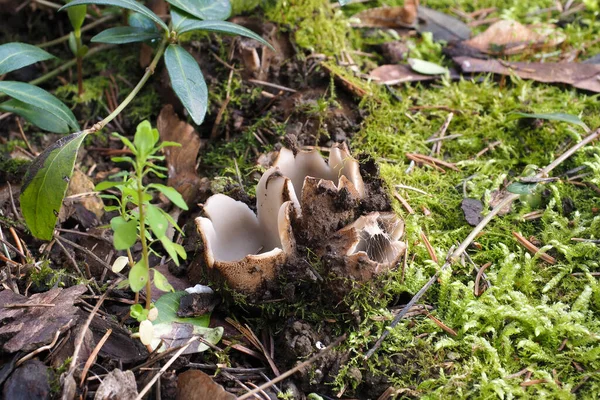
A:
(181, 161)
(442, 26)
(81, 184)
(117, 385)
(26, 327)
(472, 209)
(581, 76)
(394, 74)
(389, 17)
(196, 385)
(511, 37)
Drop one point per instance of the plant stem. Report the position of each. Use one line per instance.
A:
(79, 58)
(142, 222)
(149, 71)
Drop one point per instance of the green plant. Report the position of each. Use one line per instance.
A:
(47, 178)
(138, 218)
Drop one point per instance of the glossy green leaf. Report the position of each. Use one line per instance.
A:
(128, 4)
(174, 250)
(73, 43)
(36, 116)
(189, 24)
(124, 34)
(187, 81)
(171, 194)
(77, 17)
(18, 55)
(564, 117)
(138, 20)
(45, 185)
(204, 9)
(39, 98)
(138, 276)
(125, 232)
(522, 188)
(138, 312)
(426, 67)
(157, 221)
(161, 282)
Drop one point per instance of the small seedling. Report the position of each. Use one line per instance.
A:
(138, 218)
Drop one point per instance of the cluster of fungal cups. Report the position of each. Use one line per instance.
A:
(304, 205)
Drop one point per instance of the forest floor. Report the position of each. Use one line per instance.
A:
(516, 315)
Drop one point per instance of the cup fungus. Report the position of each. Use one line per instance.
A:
(302, 202)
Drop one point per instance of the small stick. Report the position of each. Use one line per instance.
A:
(429, 247)
(436, 161)
(463, 246)
(442, 132)
(480, 273)
(533, 249)
(404, 203)
(92, 356)
(293, 370)
(164, 368)
(25, 305)
(412, 188)
(272, 85)
(431, 164)
(433, 140)
(445, 327)
(35, 153)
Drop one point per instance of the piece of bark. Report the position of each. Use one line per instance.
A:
(31, 381)
(581, 76)
(28, 327)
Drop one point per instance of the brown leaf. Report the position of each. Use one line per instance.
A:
(582, 76)
(117, 385)
(80, 184)
(389, 17)
(181, 161)
(472, 209)
(26, 327)
(511, 37)
(196, 385)
(442, 26)
(394, 74)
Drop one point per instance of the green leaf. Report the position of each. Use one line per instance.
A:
(521, 188)
(564, 117)
(126, 142)
(128, 4)
(171, 194)
(173, 249)
(187, 81)
(124, 34)
(125, 232)
(39, 98)
(36, 116)
(106, 185)
(426, 67)
(161, 282)
(188, 25)
(204, 9)
(45, 185)
(138, 276)
(138, 20)
(168, 304)
(145, 138)
(138, 312)
(18, 55)
(77, 16)
(157, 221)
